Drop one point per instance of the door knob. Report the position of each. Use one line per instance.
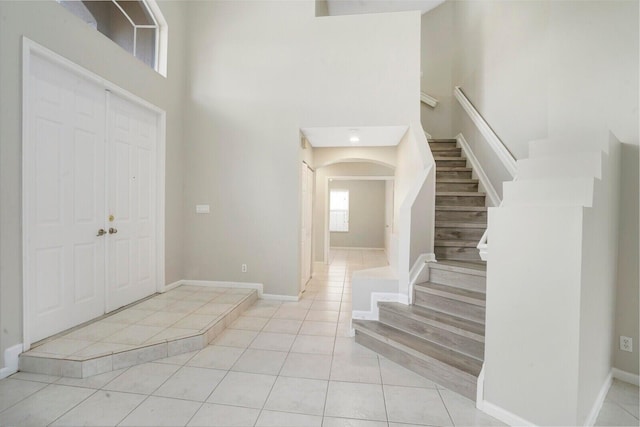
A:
(113, 230)
(101, 232)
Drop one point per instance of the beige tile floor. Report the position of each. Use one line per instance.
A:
(280, 364)
(182, 312)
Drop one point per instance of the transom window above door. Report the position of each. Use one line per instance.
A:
(135, 25)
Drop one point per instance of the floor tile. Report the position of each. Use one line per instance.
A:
(104, 408)
(62, 346)
(236, 338)
(28, 376)
(102, 348)
(613, 414)
(96, 331)
(217, 357)
(350, 422)
(161, 318)
(212, 415)
(261, 311)
(131, 315)
(416, 405)
(249, 323)
(213, 308)
(195, 321)
(323, 316)
(285, 312)
(12, 391)
(356, 369)
(171, 334)
(315, 366)
(355, 400)
(180, 359)
(44, 406)
(325, 305)
(143, 378)
(243, 389)
(311, 344)
(348, 347)
(285, 326)
(273, 341)
(191, 383)
(260, 362)
(297, 395)
(286, 419)
(161, 411)
(133, 334)
(95, 381)
(310, 327)
(463, 411)
(394, 374)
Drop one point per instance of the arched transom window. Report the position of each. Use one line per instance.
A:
(135, 25)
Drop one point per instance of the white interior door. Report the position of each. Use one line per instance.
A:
(64, 199)
(132, 144)
(306, 221)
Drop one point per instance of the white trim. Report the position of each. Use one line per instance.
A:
(416, 269)
(625, 376)
(507, 159)
(347, 248)
(428, 99)
(162, 38)
(30, 48)
(277, 297)
(480, 388)
(241, 285)
(170, 286)
(597, 404)
(376, 297)
(501, 414)
(11, 355)
(492, 194)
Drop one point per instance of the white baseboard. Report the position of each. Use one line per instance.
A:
(11, 360)
(170, 286)
(276, 297)
(240, 285)
(597, 405)
(373, 314)
(502, 414)
(355, 248)
(492, 194)
(625, 376)
(480, 387)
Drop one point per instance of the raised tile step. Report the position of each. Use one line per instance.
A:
(444, 366)
(230, 303)
(449, 331)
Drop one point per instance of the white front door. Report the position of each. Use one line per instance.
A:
(64, 199)
(90, 200)
(132, 202)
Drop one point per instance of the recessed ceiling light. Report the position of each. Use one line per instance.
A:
(354, 139)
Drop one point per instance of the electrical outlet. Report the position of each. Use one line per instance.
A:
(244, 268)
(626, 344)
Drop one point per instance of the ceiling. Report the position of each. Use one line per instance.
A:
(356, 136)
(353, 7)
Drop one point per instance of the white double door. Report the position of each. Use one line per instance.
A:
(89, 200)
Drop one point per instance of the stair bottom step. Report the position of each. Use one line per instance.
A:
(430, 368)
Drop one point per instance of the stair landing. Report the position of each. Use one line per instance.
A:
(181, 320)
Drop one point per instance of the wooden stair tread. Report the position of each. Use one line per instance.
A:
(462, 208)
(460, 193)
(407, 342)
(457, 181)
(453, 169)
(454, 224)
(457, 159)
(464, 295)
(479, 269)
(442, 140)
(437, 318)
(456, 243)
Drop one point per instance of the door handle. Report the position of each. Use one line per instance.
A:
(101, 232)
(113, 230)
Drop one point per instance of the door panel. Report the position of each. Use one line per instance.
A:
(132, 196)
(64, 199)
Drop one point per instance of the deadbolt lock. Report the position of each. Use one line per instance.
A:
(111, 218)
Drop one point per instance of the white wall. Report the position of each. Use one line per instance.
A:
(366, 214)
(260, 71)
(50, 25)
(320, 210)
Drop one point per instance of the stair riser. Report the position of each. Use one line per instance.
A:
(442, 145)
(448, 377)
(457, 186)
(462, 216)
(450, 306)
(451, 233)
(432, 333)
(451, 163)
(452, 174)
(459, 280)
(457, 152)
(457, 253)
(459, 200)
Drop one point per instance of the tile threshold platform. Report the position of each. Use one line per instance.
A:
(182, 320)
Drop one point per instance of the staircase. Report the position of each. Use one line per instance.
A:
(441, 335)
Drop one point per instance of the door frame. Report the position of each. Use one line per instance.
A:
(327, 233)
(30, 49)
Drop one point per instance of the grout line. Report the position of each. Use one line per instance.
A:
(445, 406)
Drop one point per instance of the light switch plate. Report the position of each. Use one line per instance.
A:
(202, 209)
